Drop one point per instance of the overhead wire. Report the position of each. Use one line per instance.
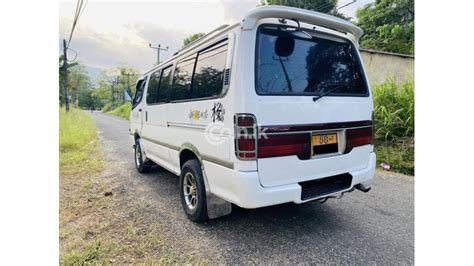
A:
(77, 14)
(347, 4)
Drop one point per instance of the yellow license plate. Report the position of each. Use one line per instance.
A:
(324, 139)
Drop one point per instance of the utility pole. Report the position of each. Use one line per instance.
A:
(66, 98)
(158, 48)
(128, 83)
(112, 92)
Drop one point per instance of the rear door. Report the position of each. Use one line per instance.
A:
(311, 92)
(136, 113)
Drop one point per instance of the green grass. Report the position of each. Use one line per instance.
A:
(92, 228)
(395, 125)
(401, 157)
(122, 111)
(394, 110)
(78, 147)
(107, 107)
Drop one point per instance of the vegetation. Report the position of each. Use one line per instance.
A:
(395, 125)
(122, 111)
(108, 91)
(389, 25)
(192, 38)
(77, 142)
(92, 228)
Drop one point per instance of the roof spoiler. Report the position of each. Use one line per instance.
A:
(302, 15)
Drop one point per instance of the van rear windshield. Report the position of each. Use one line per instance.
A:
(315, 65)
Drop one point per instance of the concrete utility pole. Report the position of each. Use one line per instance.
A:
(66, 98)
(158, 48)
(128, 83)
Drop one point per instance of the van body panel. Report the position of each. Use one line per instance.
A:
(289, 169)
(208, 123)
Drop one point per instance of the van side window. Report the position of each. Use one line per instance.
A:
(152, 93)
(209, 74)
(139, 93)
(165, 86)
(182, 79)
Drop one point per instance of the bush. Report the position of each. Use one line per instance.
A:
(395, 125)
(107, 107)
(122, 111)
(394, 110)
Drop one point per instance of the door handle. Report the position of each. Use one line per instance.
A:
(146, 116)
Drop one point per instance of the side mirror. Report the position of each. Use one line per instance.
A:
(284, 46)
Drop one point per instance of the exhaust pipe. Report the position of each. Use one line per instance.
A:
(363, 188)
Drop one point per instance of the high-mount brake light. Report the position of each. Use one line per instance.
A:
(245, 136)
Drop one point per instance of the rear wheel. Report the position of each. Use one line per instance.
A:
(141, 165)
(193, 191)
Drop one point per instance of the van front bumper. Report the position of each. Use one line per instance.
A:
(244, 188)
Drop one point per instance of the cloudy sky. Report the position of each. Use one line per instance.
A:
(114, 33)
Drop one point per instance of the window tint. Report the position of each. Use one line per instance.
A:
(313, 67)
(165, 86)
(139, 93)
(182, 79)
(209, 73)
(152, 93)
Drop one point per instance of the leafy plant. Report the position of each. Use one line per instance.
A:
(122, 111)
(394, 110)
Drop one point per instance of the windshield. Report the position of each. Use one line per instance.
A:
(314, 66)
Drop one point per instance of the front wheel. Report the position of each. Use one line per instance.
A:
(193, 191)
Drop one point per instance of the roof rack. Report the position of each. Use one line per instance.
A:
(311, 17)
(221, 27)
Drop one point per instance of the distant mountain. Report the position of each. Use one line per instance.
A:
(94, 73)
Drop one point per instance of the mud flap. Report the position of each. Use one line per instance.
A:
(217, 207)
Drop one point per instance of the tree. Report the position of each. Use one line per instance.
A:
(323, 6)
(118, 79)
(389, 25)
(192, 38)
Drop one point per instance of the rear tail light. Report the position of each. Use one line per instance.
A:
(284, 145)
(358, 137)
(245, 136)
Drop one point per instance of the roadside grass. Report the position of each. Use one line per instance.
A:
(98, 224)
(395, 125)
(122, 111)
(107, 107)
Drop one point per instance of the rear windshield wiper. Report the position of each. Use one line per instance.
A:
(330, 89)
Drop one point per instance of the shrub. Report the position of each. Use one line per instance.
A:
(122, 111)
(107, 107)
(394, 110)
(395, 125)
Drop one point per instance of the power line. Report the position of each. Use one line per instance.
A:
(348, 4)
(77, 14)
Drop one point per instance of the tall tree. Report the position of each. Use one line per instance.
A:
(192, 38)
(389, 25)
(323, 6)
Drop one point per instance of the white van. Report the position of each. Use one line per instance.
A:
(274, 109)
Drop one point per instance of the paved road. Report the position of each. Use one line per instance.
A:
(374, 227)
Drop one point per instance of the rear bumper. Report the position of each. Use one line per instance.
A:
(244, 188)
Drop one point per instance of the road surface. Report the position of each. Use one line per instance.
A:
(375, 227)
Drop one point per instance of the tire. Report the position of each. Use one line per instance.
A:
(142, 166)
(193, 193)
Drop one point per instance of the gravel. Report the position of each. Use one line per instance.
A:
(361, 228)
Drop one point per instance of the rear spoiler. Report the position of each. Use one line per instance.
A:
(302, 15)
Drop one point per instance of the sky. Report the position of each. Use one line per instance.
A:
(117, 33)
